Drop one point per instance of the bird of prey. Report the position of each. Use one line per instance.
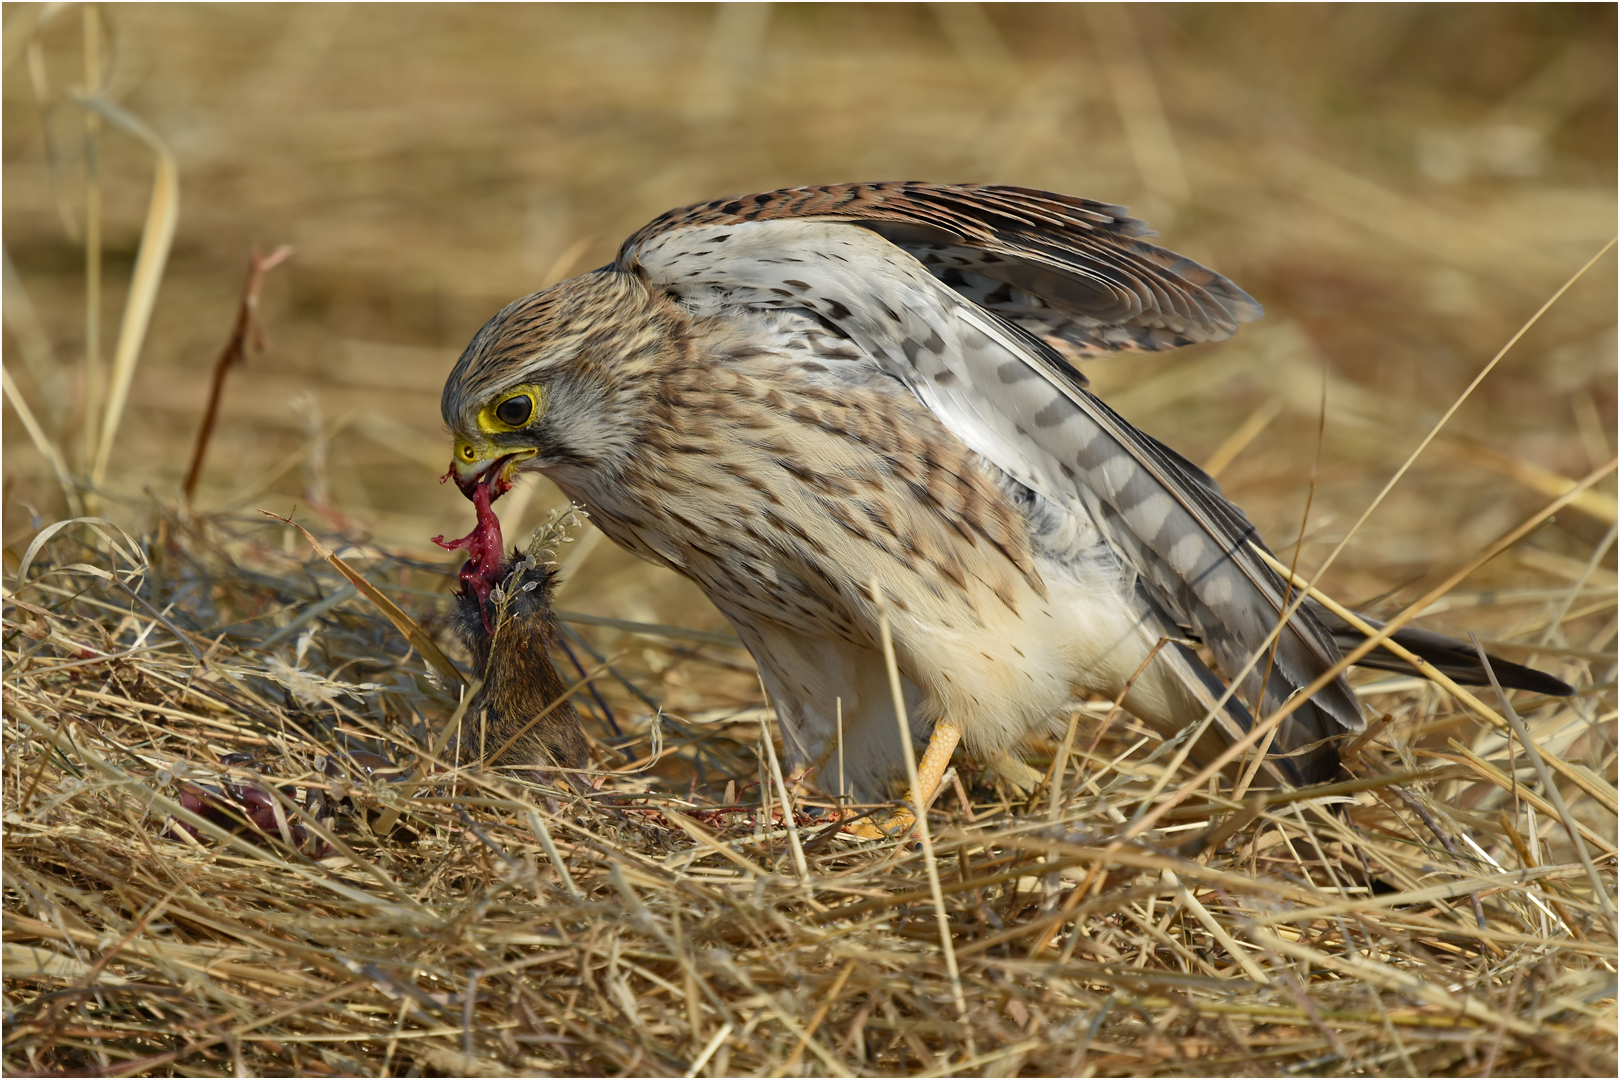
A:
(789, 396)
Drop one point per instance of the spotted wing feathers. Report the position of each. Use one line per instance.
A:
(1190, 546)
(1004, 389)
(1072, 271)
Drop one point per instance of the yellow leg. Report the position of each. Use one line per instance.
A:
(930, 771)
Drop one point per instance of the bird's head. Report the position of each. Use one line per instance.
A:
(557, 381)
(550, 382)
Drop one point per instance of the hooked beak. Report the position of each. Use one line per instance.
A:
(472, 464)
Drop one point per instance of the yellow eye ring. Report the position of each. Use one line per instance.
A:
(514, 410)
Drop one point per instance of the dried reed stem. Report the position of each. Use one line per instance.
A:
(919, 799)
(246, 329)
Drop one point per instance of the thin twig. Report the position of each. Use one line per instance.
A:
(245, 331)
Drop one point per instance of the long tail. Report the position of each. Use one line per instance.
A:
(1456, 659)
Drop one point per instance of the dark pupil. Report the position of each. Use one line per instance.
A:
(514, 411)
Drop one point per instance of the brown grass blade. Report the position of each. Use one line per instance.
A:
(157, 236)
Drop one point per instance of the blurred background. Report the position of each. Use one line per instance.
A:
(1401, 186)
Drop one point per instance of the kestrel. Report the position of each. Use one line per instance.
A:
(788, 396)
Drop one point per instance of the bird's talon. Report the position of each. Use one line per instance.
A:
(892, 827)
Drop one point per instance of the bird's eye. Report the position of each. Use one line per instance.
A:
(515, 411)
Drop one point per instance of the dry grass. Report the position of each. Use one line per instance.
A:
(1400, 186)
(457, 923)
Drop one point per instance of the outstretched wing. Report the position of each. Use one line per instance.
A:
(853, 255)
(1071, 271)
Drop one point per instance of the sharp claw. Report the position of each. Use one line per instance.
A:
(896, 826)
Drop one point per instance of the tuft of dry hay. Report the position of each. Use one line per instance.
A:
(1429, 915)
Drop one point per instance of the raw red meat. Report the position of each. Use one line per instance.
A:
(484, 544)
(229, 805)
